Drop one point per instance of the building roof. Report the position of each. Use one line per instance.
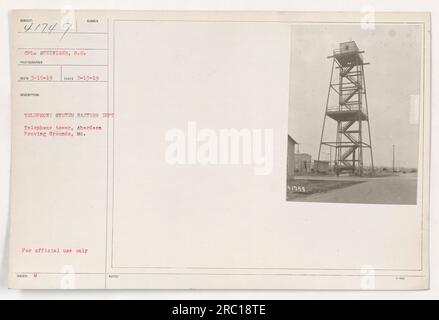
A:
(290, 138)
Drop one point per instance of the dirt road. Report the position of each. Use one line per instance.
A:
(399, 189)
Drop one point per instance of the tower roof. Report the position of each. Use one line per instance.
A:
(292, 140)
(348, 54)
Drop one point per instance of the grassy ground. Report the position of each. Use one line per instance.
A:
(298, 188)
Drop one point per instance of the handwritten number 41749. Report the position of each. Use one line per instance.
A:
(48, 28)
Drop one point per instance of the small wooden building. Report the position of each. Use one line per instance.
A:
(302, 162)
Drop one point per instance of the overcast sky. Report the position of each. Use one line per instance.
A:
(392, 81)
